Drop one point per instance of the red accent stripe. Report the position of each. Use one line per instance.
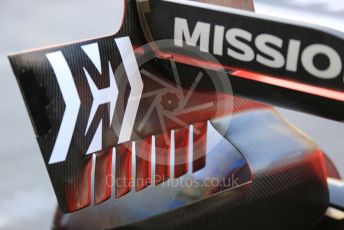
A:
(162, 157)
(199, 145)
(315, 90)
(143, 163)
(181, 142)
(102, 183)
(123, 169)
(271, 80)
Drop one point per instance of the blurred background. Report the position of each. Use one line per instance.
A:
(27, 200)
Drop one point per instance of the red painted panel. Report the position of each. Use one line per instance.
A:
(78, 192)
(102, 176)
(181, 142)
(123, 180)
(143, 163)
(162, 157)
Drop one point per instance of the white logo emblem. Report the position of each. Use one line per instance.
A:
(107, 95)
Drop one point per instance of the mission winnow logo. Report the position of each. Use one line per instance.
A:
(107, 95)
(241, 45)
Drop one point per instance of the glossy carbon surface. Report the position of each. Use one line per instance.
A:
(288, 190)
(281, 171)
